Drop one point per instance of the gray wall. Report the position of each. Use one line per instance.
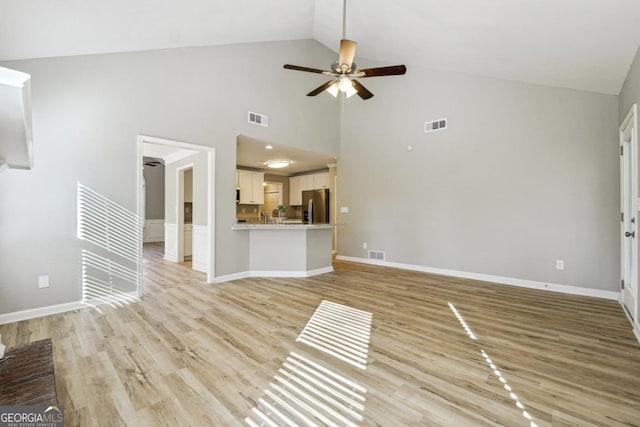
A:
(87, 112)
(154, 186)
(630, 93)
(524, 175)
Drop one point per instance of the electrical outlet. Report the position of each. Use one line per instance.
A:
(43, 282)
(559, 264)
(364, 245)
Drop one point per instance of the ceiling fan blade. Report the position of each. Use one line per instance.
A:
(347, 53)
(307, 69)
(363, 92)
(393, 70)
(321, 89)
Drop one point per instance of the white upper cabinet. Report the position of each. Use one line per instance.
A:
(298, 184)
(306, 182)
(320, 180)
(251, 188)
(295, 193)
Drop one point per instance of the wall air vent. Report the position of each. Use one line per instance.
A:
(258, 119)
(376, 255)
(435, 125)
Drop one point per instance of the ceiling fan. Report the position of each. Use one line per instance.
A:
(344, 70)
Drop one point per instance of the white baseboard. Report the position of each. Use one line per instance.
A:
(230, 277)
(246, 274)
(635, 328)
(291, 273)
(33, 313)
(523, 283)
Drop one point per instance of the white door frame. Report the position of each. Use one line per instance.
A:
(628, 141)
(141, 140)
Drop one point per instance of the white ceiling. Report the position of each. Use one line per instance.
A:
(581, 44)
(167, 153)
(253, 154)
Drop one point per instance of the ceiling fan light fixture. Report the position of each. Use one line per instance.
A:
(350, 91)
(334, 89)
(345, 84)
(278, 164)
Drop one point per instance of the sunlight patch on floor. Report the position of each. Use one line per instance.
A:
(340, 331)
(304, 392)
(494, 369)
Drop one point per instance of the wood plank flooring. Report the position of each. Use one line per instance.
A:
(203, 355)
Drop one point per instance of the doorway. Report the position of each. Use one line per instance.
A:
(629, 215)
(273, 198)
(177, 153)
(184, 205)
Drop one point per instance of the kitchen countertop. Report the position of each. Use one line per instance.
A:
(261, 226)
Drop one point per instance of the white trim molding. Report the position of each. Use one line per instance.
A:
(200, 253)
(292, 274)
(33, 313)
(153, 230)
(171, 242)
(523, 283)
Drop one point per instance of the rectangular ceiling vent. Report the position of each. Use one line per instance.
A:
(376, 255)
(435, 125)
(258, 119)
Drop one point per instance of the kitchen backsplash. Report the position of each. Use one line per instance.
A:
(252, 212)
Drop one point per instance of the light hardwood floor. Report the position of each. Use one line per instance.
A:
(196, 354)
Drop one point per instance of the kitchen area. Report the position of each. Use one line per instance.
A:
(285, 201)
(269, 199)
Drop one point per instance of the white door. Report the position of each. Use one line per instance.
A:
(629, 215)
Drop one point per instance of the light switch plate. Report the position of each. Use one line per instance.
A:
(344, 209)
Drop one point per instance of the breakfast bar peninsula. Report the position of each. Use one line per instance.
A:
(288, 250)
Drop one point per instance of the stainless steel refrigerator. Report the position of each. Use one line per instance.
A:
(316, 206)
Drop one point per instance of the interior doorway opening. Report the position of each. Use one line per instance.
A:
(273, 199)
(189, 195)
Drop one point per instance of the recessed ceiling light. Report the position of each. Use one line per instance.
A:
(269, 147)
(277, 164)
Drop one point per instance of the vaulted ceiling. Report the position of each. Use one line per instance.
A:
(581, 44)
